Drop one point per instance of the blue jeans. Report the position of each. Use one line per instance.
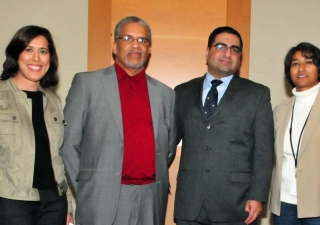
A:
(50, 210)
(289, 216)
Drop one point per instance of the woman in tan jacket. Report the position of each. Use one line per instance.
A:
(32, 182)
(295, 197)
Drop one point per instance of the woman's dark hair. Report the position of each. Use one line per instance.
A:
(19, 42)
(308, 51)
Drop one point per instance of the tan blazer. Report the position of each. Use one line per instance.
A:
(308, 169)
(17, 142)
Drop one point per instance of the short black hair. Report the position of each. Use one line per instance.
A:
(225, 29)
(308, 51)
(18, 43)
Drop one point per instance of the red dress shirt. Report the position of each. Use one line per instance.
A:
(139, 147)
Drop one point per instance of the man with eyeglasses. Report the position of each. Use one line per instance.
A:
(226, 126)
(120, 137)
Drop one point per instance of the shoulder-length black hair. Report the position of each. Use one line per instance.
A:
(19, 42)
(308, 51)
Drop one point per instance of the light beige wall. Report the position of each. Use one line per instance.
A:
(66, 20)
(68, 24)
(277, 26)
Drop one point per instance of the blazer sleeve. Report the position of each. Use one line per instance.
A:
(172, 134)
(263, 152)
(178, 136)
(74, 113)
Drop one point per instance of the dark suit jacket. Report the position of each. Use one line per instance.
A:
(93, 143)
(228, 159)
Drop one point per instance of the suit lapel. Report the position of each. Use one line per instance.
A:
(232, 90)
(312, 123)
(197, 93)
(110, 83)
(282, 122)
(155, 101)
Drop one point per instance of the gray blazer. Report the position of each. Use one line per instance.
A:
(93, 143)
(225, 160)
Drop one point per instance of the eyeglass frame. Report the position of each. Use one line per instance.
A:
(132, 39)
(234, 47)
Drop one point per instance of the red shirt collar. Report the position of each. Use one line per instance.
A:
(121, 73)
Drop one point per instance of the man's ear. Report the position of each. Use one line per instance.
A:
(114, 48)
(207, 52)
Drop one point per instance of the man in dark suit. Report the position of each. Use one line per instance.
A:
(226, 129)
(120, 136)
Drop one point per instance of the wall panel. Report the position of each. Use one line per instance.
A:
(180, 30)
(238, 17)
(99, 30)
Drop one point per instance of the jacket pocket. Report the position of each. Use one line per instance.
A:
(59, 120)
(7, 121)
(58, 126)
(240, 176)
(85, 175)
(58, 123)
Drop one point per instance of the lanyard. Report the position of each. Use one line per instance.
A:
(290, 134)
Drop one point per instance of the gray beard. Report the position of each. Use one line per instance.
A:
(135, 66)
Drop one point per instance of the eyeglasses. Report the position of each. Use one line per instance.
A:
(128, 39)
(223, 48)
